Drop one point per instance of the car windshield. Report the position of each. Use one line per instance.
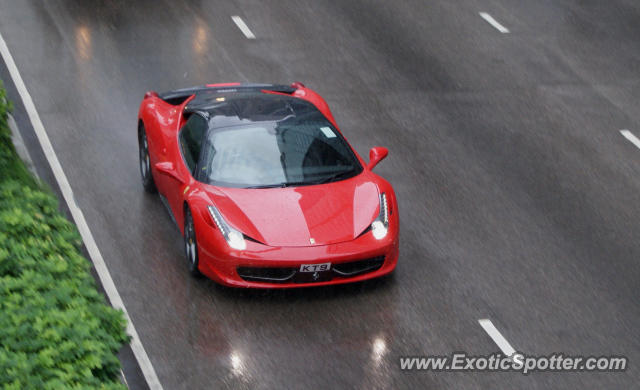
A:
(290, 152)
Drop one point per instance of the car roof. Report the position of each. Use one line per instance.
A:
(233, 106)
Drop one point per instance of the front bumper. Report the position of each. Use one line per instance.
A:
(262, 266)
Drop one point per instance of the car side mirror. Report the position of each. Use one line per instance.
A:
(167, 168)
(377, 154)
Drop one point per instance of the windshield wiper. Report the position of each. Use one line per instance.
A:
(323, 180)
(283, 184)
(334, 177)
(275, 185)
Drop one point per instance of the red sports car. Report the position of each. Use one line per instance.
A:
(265, 188)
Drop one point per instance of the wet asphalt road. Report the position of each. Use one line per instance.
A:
(519, 198)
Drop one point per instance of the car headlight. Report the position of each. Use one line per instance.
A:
(234, 238)
(380, 225)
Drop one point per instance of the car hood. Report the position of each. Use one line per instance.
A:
(301, 216)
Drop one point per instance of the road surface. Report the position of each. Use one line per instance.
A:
(519, 197)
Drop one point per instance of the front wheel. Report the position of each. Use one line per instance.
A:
(145, 163)
(190, 244)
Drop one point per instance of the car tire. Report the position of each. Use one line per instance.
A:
(190, 244)
(145, 161)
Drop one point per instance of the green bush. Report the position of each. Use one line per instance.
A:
(56, 330)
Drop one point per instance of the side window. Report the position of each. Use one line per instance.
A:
(191, 137)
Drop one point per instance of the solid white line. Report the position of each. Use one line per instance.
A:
(124, 378)
(494, 22)
(96, 257)
(498, 338)
(243, 27)
(629, 135)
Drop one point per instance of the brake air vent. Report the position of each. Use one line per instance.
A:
(358, 267)
(266, 274)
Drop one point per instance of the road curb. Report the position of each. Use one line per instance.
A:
(20, 146)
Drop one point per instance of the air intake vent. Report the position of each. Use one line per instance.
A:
(358, 267)
(291, 274)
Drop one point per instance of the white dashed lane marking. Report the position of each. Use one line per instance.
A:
(632, 138)
(243, 27)
(494, 22)
(497, 337)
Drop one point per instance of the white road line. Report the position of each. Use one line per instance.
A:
(96, 257)
(243, 27)
(498, 338)
(629, 135)
(494, 22)
(124, 378)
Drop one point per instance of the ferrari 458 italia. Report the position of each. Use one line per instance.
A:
(265, 188)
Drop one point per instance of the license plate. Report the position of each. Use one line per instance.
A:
(315, 267)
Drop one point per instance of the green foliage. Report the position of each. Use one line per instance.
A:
(56, 330)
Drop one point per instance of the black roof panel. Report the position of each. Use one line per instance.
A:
(230, 108)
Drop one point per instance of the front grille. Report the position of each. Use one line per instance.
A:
(292, 275)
